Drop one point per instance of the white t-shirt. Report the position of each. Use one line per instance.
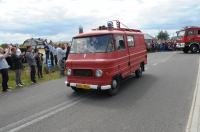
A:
(60, 53)
(18, 52)
(54, 51)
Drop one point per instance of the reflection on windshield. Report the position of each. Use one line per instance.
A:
(181, 34)
(93, 44)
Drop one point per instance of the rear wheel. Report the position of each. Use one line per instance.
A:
(142, 67)
(114, 87)
(194, 48)
(138, 73)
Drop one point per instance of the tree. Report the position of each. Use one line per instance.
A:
(163, 35)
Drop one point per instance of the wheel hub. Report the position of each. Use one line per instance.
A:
(194, 48)
(114, 83)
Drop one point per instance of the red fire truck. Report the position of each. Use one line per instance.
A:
(190, 37)
(102, 58)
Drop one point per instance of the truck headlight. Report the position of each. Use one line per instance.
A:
(99, 73)
(69, 72)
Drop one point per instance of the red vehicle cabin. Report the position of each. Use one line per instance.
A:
(190, 38)
(100, 59)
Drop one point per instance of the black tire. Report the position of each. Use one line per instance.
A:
(114, 87)
(138, 73)
(142, 67)
(185, 50)
(194, 48)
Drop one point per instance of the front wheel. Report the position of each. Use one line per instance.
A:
(194, 48)
(114, 87)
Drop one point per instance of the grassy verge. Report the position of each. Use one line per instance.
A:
(25, 77)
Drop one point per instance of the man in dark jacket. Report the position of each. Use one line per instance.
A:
(47, 50)
(30, 58)
(17, 65)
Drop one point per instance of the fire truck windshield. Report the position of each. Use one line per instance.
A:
(93, 44)
(180, 33)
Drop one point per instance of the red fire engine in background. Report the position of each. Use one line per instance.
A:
(190, 38)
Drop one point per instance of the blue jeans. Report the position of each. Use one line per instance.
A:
(5, 78)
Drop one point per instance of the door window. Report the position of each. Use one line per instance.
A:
(190, 32)
(120, 44)
(131, 42)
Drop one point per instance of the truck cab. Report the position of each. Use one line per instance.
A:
(102, 58)
(190, 37)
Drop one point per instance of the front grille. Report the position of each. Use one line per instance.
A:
(82, 72)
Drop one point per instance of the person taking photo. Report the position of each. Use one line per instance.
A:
(17, 66)
(4, 67)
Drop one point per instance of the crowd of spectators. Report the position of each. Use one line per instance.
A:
(164, 46)
(12, 57)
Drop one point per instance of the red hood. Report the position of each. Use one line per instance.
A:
(92, 61)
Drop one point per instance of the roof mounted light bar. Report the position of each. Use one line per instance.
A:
(110, 26)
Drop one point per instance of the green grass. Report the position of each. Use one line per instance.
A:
(25, 77)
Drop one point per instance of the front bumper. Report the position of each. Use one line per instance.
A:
(180, 45)
(95, 87)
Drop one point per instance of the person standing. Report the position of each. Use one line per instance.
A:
(61, 54)
(30, 57)
(4, 68)
(39, 61)
(51, 48)
(47, 51)
(17, 65)
(55, 55)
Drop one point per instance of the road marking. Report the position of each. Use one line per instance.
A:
(192, 124)
(155, 64)
(164, 59)
(14, 127)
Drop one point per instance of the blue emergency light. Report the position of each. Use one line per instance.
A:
(110, 24)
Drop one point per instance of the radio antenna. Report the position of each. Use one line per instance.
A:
(117, 21)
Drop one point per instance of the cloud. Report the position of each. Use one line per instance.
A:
(13, 37)
(20, 38)
(47, 27)
(172, 14)
(54, 17)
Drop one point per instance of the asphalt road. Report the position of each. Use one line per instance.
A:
(160, 101)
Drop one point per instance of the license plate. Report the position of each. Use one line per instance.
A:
(83, 86)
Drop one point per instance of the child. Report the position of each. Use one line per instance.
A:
(39, 60)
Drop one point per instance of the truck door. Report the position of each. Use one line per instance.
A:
(198, 35)
(190, 35)
(133, 56)
(123, 56)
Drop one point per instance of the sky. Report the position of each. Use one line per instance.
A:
(59, 20)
